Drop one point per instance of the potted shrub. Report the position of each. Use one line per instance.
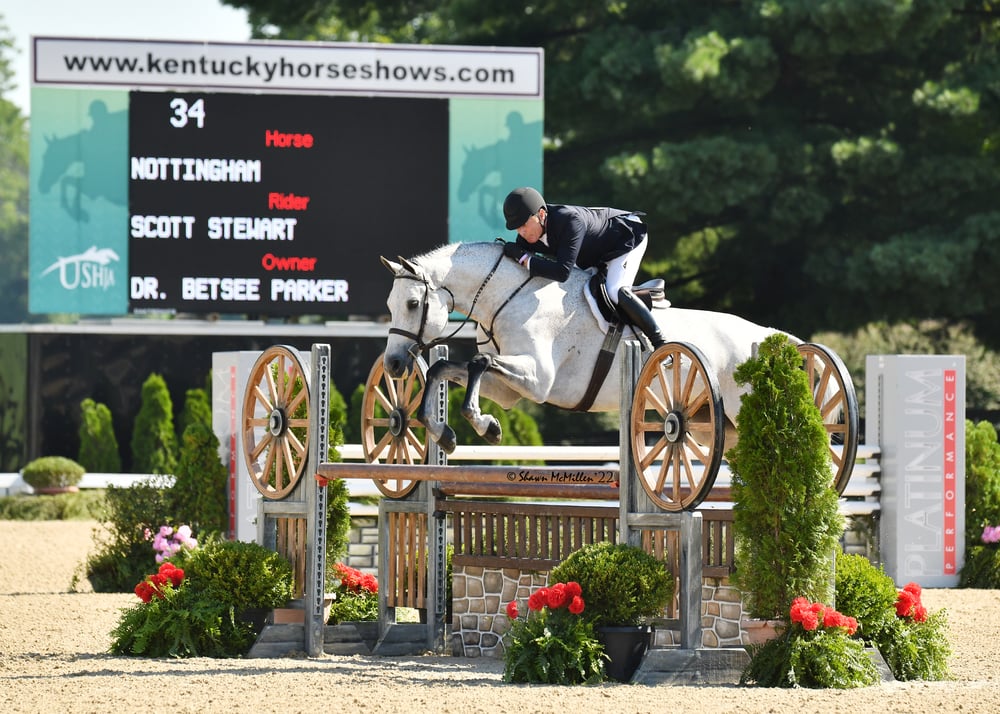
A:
(785, 516)
(623, 586)
(53, 474)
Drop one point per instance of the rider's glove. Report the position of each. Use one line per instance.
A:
(514, 251)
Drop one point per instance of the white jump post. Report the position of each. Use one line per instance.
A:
(638, 512)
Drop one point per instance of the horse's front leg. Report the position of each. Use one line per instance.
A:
(442, 371)
(486, 425)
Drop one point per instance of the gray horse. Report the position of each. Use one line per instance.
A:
(538, 339)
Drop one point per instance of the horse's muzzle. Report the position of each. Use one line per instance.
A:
(398, 365)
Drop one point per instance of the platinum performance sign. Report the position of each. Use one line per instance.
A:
(262, 178)
(915, 412)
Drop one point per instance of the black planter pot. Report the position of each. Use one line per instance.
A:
(625, 647)
(256, 617)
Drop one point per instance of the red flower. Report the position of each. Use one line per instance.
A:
(172, 573)
(512, 610)
(538, 599)
(576, 605)
(573, 589)
(905, 603)
(556, 596)
(144, 591)
(920, 613)
(810, 621)
(799, 607)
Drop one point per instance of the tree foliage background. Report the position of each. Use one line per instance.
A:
(13, 192)
(810, 164)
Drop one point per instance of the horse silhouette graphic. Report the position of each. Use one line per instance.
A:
(491, 171)
(85, 164)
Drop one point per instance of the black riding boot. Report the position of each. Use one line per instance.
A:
(639, 315)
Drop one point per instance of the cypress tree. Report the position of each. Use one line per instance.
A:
(785, 516)
(154, 442)
(98, 445)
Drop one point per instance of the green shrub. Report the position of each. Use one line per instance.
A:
(200, 616)
(98, 445)
(816, 651)
(865, 593)
(199, 497)
(154, 443)
(185, 622)
(238, 574)
(622, 584)
(785, 517)
(552, 643)
(52, 472)
(981, 568)
(982, 483)
(913, 644)
(124, 554)
(355, 596)
(917, 650)
(84, 505)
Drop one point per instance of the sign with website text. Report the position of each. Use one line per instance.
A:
(244, 198)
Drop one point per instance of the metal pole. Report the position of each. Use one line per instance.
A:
(319, 427)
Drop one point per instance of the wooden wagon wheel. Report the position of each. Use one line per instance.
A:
(390, 430)
(678, 427)
(276, 421)
(833, 392)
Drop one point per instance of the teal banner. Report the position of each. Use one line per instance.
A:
(78, 239)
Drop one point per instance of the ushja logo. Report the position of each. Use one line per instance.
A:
(89, 269)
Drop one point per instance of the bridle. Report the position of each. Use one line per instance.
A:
(419, 345)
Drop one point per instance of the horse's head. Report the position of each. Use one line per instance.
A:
(419, 311)
(477, 166)
(61, 153)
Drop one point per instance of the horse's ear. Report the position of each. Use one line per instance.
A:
(393, 267)
(409, 266)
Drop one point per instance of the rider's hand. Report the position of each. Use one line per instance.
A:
(513, 251)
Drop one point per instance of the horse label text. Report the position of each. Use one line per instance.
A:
(231, 289)
(287, 202)
(166, 168)
(301, 290)
(246, 228)
(285, 141)
(161, 226)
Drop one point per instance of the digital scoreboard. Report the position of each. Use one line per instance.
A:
(279, 204)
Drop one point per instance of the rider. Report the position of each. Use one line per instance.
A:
(605, 238)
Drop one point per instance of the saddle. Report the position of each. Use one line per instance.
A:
(652, 292)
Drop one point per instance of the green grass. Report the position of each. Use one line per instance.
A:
(84, 505)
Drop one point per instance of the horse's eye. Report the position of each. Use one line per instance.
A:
(413, 303)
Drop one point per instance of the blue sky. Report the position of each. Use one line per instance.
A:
(206, 20)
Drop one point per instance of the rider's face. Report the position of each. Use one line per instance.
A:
(533, 228)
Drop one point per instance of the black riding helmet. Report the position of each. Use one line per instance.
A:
(520, 205)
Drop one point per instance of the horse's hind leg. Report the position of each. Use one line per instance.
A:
(485, 425)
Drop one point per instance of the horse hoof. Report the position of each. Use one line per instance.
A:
(494, 434)
(447, 440)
